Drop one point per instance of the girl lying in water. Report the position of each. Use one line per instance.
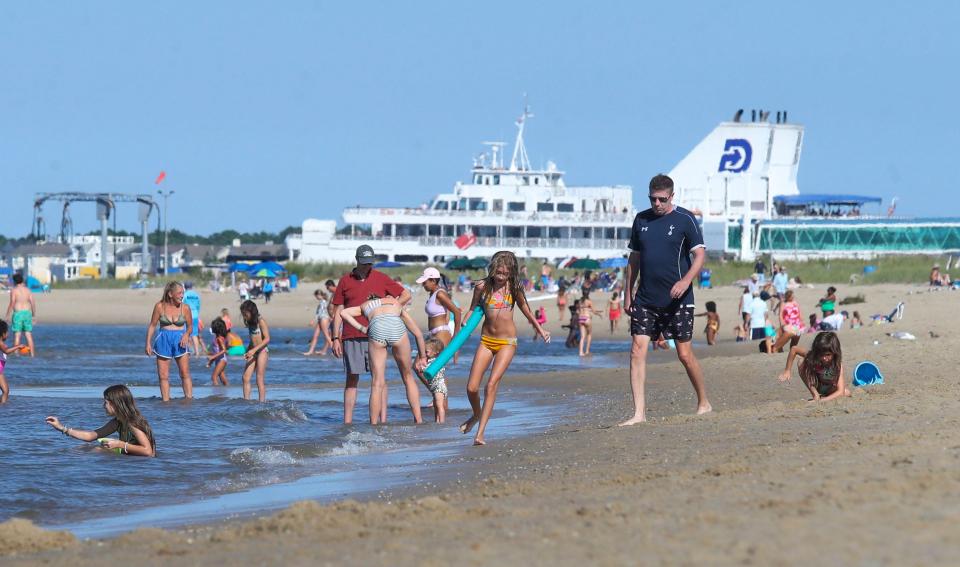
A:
(387, 328)
(135, 435)
(821, 368)
(498, 294)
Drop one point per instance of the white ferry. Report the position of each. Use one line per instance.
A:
(502, 207)
(742, 174)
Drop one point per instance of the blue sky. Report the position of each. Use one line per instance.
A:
(263, 114)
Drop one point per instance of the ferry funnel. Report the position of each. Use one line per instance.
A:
(738, 169)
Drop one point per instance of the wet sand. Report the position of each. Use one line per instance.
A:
(766, 479)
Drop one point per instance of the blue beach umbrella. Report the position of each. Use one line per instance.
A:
(272, 266)
(618, 262)
(387, 264)
(239, 267)
(265, 274)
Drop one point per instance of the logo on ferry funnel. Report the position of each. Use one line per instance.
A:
(736, 155)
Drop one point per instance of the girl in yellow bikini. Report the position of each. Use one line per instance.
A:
(498, 293)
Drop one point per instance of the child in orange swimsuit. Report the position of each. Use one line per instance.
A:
(498, 294)
(614, 311)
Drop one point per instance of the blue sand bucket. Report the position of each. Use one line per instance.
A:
(866, 374)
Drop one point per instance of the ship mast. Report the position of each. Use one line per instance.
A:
(519, 150)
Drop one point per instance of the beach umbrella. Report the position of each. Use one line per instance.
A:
(479, 263)
(618, 262)
(585, 264)
(272, 266)
(387, 264)
(458, 264)
(239, 267)
(264, 273)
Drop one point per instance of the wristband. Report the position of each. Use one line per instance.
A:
(125, 445)
(335, 339)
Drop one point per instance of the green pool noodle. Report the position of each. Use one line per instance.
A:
(446, 354)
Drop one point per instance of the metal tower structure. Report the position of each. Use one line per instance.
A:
(106, 204)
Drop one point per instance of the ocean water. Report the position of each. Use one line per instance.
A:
(219, 455)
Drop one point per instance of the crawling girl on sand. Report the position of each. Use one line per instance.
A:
(498, 294)
(821, 368)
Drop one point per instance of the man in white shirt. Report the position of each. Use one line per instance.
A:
(758, 316)
(835, 321)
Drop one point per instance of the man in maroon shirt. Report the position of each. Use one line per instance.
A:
(350, 344)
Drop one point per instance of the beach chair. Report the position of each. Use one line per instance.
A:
(894, 315)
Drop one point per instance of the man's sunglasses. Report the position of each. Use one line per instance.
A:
(654, 199)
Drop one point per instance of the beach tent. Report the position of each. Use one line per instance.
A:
(5, 271)
(585, 264)
(264, 273)
(34, 284)
(239, 267)
(619, 262)
(272, 266)
(387, 264)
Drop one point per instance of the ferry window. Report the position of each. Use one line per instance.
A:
(526, 180)
(433, 230)
(536, 180)
(513, 231)
(533, 232)
(476, 178)
(623, 233)
(463, 204)
(554, 232)
(498, 205)
(516, 206)
(564, 207)
(486, 180)
(496, 180)
(545, 207)
(477, 204)
(441, 205)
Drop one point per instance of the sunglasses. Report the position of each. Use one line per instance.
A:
(654, 199)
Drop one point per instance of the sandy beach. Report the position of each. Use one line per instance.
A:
(766, 479)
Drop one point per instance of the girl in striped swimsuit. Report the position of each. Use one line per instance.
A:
(387, 328)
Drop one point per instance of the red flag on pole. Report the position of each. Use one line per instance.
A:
(465, 240)
(161, 177)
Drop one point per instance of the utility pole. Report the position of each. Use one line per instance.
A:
(166, 233)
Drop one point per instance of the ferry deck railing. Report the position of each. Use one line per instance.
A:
(531, 216)
(495, 242)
